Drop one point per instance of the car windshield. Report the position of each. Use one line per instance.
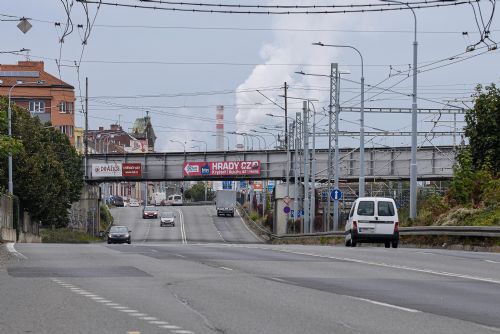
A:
(118, 229)
(366, 208)
(177, 198)
(167, 215)
(149, 208)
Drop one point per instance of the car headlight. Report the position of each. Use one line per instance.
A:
(127, 235)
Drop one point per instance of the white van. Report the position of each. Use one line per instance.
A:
(373, 220)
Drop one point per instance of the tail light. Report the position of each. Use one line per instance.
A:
(355, 225)
(396, 227)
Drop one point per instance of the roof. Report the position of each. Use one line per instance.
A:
(29, 71)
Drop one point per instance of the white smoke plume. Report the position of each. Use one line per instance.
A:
(290, 48)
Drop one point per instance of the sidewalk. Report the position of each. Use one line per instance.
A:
(5, 255)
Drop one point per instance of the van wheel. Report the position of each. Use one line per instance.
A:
(394, 244)
(387, 245)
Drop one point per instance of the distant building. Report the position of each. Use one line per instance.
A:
(42, 94)
(78, 140)
(143, 130)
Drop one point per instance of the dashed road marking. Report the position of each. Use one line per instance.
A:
(491, 261)
(386, 305)
(126, 310)
(226, 268)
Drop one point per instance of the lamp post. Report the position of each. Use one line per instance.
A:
(9, 117)
(226, 137)
(180, 142)
(413, 164)
(201, 141)
(267, 132)
(362, 119)
(245, 140)
(258, 138)
(196, 146)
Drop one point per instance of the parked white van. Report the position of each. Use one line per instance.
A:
(373, 220)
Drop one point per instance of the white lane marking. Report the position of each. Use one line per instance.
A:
(179, 255)
(226, 268)
(494, 329)
(211, 212)
(386, 265)
(183, 228)
(126, 310)
(12, 249)
(386, 305)
(249, 230)
(491, 261)
(147, 232)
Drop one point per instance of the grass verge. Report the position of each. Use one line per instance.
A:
(67, 236)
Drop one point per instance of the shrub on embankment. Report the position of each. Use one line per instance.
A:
(67, 236)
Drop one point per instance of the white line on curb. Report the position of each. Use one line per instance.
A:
(10, 248)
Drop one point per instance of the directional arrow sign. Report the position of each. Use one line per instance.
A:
(191, 169)
(336, 194)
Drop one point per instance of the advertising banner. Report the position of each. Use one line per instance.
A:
(221, 168)
(106, 170)
(131, 169)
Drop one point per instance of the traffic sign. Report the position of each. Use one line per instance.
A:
(336, 194)
(286, 209)
(300, 214)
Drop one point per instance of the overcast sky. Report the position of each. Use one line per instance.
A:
(191, 62)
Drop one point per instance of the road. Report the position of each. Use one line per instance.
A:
(215, 277)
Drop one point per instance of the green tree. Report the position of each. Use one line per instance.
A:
(47, 171)
(197, 193)
(483, 129)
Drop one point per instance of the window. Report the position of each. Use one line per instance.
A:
(385, 208)
(66, 107)
(352, 211)
(366, 208)
(37, 107)
(66, 129)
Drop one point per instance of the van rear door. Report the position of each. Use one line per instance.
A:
(385, 217)
(366, 217)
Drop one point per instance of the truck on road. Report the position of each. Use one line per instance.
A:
(225, 202)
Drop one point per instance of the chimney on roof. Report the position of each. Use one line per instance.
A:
(115, 127)
(37, 65)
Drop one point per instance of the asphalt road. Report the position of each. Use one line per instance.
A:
(212, 279)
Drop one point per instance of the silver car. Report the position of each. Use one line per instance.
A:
(167, 219)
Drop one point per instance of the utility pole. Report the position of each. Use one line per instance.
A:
(286, 116)
(313, 175)
(296, 169)
(336, 157)
(333, 90)
(305, 116)
(86, 135)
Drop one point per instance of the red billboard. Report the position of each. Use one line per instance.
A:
(131, 169)
(221, 168)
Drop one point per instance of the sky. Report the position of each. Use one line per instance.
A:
(179, 66)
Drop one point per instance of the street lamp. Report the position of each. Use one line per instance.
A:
(245, 140)
(201, 141)
(413, 164)
(362, 119)
(196, 146)
(225, 138)
(258, 138)
(9, 117)
(180, 142)
(267, 132)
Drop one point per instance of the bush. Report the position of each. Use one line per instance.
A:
(253, 216)
(106, 218)
(67, 236)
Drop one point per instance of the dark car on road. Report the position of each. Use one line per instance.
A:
(118, 201)
(149, 212)
(119, 234)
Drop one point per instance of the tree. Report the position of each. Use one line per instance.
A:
(197, 193)
(483, 129)
(48, 176)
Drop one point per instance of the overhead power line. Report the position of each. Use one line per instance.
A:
(287, 11)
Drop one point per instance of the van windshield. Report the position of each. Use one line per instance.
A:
(366, 208)
(385, 208)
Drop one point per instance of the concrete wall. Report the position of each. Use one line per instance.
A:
(85, 214)
(280, 215)
(7, 231)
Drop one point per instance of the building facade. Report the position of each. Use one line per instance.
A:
(42, 94)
